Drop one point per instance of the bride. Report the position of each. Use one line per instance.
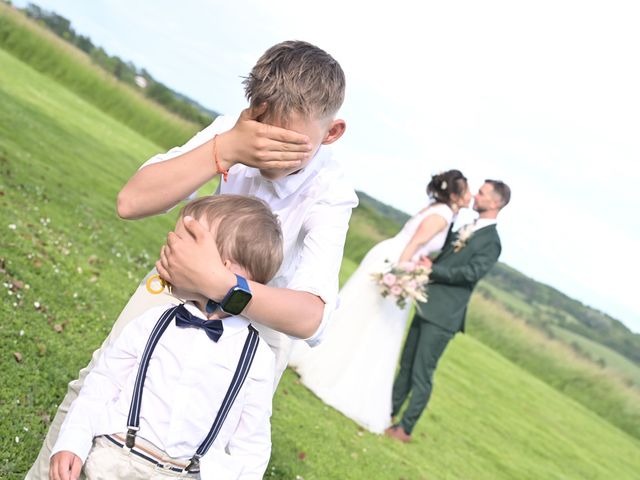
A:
(352, 369)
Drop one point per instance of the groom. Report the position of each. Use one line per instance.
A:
(466, 257)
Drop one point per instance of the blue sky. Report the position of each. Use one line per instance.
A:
(543, 95)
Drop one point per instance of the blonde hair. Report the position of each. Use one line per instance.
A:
(296, 76)
(248, 232)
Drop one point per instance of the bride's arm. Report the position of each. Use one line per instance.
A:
(429, 228)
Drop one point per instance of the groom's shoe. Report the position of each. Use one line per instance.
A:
(397, 432)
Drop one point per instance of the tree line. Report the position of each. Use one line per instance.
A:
(124, 71)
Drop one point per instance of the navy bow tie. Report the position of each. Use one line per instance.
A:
(213, 328)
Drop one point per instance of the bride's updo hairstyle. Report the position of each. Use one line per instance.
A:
(445, 184)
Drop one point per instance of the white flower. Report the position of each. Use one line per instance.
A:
(443, 185)
(12, 226)
(464, 234)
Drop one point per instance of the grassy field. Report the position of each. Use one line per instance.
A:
(625, 368)
(68, 265)
(555, 363)
(71, 67)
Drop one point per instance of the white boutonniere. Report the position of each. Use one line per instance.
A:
(464, 234)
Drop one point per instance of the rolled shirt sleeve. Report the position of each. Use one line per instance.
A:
(323, 247)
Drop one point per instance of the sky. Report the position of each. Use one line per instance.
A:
(543, 95)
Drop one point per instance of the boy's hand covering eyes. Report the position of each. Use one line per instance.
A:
(260, 145)
(65, 466)
(192, 262)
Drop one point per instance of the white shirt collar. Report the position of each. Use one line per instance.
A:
(484, 222)
(232, 324)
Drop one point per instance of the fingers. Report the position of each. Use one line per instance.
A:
(76, 466)
(163, 272)
(281, 137)
(60, 465)
(162, 265)
(164, 256)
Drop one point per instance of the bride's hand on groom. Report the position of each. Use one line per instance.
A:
(260, 145)
(425, 262)
(190, 261)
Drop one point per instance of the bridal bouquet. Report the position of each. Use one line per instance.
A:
(406, 282)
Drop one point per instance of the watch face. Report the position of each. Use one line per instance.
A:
(236, 302)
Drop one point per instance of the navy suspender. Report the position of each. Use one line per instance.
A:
(240, 375)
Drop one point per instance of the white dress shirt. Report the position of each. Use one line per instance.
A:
(314, 207)
(186, 382)
(483, 222)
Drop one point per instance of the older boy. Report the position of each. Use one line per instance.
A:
(294, 85)
(130, 424)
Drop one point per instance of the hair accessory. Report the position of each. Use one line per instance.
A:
(443, 185)
(219, 170)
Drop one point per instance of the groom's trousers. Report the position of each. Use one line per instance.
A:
(423, 348)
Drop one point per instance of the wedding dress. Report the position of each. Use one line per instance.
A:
(353, 368)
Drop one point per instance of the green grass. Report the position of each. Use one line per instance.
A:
(62, 162)
(628, 371)
(555, 363)
(488, 419)
(72, 68)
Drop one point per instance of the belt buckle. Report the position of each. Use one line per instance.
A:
(163, 466)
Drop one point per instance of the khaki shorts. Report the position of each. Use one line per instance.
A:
(107, 461)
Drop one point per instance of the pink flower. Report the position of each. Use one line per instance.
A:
(412, 284)
(389, 279)
(396, 290)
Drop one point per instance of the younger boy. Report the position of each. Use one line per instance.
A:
(126, 424)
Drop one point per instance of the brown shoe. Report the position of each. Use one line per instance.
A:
(397, 432)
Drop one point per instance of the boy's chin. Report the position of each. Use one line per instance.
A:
(275, 174)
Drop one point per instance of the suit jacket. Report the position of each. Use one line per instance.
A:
(454, 276)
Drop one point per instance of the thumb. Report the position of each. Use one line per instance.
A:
(254, 113)
(195, 228)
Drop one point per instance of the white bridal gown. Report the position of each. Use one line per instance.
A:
(353, 368)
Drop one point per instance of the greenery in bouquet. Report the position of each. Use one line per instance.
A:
(406, 282)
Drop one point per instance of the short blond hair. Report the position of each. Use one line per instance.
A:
(248, 232)
(296, 76)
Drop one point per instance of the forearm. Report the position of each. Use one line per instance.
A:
(468, 274)
(292, 312)
(463, 275)
(160, 186)
(408, 252)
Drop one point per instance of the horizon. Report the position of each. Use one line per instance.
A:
(536, 119)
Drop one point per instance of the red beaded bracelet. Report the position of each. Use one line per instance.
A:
(219, 170)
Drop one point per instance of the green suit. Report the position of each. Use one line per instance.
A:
(453, 278)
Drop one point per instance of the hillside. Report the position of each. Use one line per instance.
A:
(73, 68)
(68, 265)
(126, 72)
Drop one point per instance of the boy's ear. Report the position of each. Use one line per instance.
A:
(337, 128)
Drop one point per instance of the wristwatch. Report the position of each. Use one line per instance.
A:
(235, 301)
